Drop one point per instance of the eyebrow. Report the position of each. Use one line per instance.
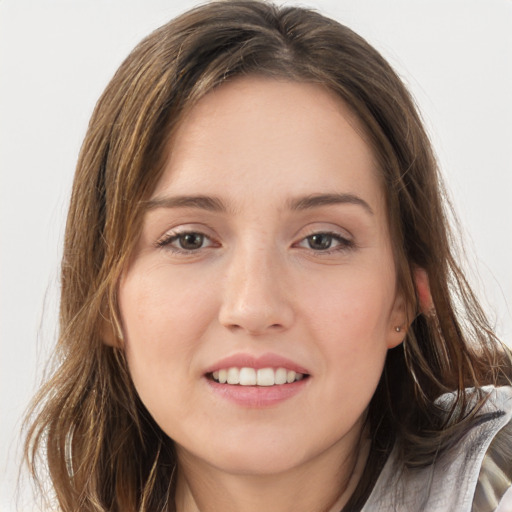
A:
(317, 200)
(215, 204)
(201, 202)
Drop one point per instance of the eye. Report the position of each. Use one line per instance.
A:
(188, 241)
(326, 242)
(320, 241)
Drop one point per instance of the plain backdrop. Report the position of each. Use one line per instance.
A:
(56, 57)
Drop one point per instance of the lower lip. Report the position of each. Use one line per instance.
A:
(257, 396)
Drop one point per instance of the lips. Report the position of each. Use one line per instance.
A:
(256, 381)
(264, 361)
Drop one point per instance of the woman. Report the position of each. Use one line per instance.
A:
(257, 310)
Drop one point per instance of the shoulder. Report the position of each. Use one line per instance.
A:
(494, 485)
(472, 477)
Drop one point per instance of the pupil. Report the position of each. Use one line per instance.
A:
(191, 241)
(319, 242)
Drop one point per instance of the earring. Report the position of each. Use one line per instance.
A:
(398, 328)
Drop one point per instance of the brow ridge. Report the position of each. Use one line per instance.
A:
(317, 200)
(215, 204)
(202, 202)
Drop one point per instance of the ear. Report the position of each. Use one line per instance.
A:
(403, 314)
(421, 282)
(399, 321)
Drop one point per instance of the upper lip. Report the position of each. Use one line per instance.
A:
(264, 361)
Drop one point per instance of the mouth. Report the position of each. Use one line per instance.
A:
(261, 377)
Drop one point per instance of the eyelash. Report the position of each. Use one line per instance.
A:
(167, 240)
(344, 244)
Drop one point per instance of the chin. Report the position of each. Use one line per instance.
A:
(250, 455)
(261, 464)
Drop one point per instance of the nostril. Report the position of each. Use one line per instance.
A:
(234, 327)
(263, 330)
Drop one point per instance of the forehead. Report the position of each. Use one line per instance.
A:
(269, 137)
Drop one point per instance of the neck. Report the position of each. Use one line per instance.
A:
(320, 486)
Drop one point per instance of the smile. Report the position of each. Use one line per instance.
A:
(247, 376)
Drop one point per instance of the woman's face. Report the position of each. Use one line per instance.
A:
(265, 246)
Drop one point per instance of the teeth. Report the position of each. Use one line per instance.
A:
(266, 377)
(280, 377)
(233, 376)
(252, 377)
(247, 376)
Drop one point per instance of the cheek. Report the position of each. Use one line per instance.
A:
(160, 308)
(352, 306)
(350, 320)
(163, 318)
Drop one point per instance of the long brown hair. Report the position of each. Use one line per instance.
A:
(88, 426)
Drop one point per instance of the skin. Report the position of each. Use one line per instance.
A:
(257, 285)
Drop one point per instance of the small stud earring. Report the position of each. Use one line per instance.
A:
(398, 328)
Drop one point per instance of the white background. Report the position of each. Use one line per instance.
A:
(57, 56)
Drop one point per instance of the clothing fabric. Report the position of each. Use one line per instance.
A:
(476, 476)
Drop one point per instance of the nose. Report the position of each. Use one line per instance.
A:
(256, 298)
